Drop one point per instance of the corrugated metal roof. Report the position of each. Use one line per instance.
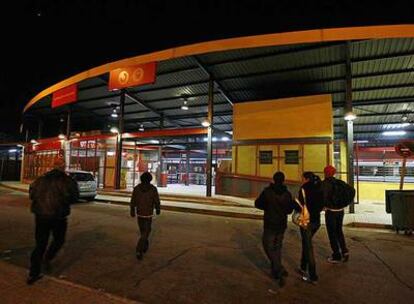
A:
(382, 70)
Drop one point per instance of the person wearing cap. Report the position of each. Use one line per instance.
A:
(144, 200)
(334, 218)
(51, 195)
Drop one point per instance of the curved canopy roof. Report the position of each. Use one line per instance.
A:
(256, 68)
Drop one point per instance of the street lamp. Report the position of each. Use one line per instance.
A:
(350, 116)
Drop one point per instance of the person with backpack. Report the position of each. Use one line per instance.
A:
(311, 196)
(144, 200)
(277, 203)
(336, 196)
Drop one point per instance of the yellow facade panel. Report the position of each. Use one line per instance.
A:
(246, 160)
(298, 117)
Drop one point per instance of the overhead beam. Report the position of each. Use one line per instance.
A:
(215, 82)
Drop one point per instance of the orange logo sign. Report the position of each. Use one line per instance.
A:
(132, 76)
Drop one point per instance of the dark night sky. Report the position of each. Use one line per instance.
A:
(44, 42)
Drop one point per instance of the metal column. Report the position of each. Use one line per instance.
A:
(118, 166)
(187, 166)
(349, 123)
(210, 137)
(68, 123)
(160, 162)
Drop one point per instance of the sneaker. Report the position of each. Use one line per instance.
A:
(345, 257)
(309, 280)
(333, 261)
(32, 279)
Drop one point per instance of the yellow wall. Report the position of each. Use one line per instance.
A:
(375, 191)
(268, 170)
(291, 171)
(298, 117)
(312, 157)
(315, 158)
(246, 160)
(343, 161)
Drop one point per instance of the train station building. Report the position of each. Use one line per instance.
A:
(222, 116)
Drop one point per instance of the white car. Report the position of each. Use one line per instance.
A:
(86, 183)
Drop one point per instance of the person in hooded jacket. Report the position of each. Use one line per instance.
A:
(276, 202)
(313, 198)
(51, 195)
(144, 200)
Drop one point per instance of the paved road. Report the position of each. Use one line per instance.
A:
(205, 259)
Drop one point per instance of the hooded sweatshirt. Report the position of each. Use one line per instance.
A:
(145, 199)
(276, 202)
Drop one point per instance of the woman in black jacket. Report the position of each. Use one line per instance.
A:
(313, 199)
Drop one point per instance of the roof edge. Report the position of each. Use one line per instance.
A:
(286, 38)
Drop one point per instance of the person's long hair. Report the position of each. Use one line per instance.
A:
(314, 179)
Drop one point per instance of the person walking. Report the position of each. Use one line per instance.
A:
(51, 195)
(277, 203)
(310, 194)
(144, 200)
(334, 217)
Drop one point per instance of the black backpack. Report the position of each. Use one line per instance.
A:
(342, 194)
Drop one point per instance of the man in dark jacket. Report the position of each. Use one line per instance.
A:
(277, 203)
(144, 200)
(334, 218)
(51, 195)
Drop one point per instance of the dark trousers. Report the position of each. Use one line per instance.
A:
(334, 221)
(307, 262)
(43, 229)
(272, 244)
(144, 225)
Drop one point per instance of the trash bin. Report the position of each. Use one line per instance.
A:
(400, 203)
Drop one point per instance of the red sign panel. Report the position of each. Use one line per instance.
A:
(65, 96)
(55, 145)
(132, 76)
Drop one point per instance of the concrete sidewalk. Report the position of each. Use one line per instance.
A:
(367, 214)
(13, 289)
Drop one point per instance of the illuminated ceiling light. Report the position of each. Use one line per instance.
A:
(214, 138)
(229, 132)
(350, 116)
(225, 138)
(33, 141)
(361, 141)
(114, 130)
(205, 123)
(394, 133)
(154, 141)
(61, 136)
(141, 128)
(184, 106)
(12, 150)
(114, 113)
(205, 139)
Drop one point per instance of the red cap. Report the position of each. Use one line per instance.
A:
(329, 171)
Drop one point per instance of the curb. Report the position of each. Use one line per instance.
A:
(216, 212)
